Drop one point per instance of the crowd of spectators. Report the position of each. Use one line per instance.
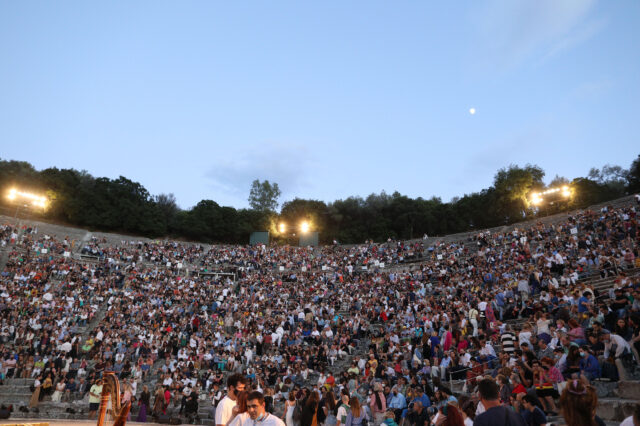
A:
(333, 334)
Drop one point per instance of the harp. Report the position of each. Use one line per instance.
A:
(111, 389)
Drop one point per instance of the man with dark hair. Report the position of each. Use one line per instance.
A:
(495, 414)
(236, 383)
(418, 414)
(95, 394)
(531, 413)
(256, 413)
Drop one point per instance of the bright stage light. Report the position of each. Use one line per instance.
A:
(562, 192)
(304, 227)
(36, 200)
(282, 228)
(536, 199)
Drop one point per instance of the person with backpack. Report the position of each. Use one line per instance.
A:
(326, 407)
(357, 415)
(343, 411)
(378, 404)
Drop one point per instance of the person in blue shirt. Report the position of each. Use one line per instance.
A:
(435, 341)
(531, 413)
(584, 302)
(589, 365)
(397, 402)
(500, 303)
(421, 396)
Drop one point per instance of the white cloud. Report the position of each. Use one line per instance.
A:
(575, 38)
(284, 164)
(510, 32)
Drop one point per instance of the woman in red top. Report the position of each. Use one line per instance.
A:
(167, 399)
(331, 381)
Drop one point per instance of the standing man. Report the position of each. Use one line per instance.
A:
(94, 398)
(473, 319)
(495, 414)
(343, 410)
(256, 413)
(224, 411)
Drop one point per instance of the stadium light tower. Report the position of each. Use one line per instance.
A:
(560, 195)
(26, 199)
(34, 199)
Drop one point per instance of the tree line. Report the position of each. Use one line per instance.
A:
(122, 205)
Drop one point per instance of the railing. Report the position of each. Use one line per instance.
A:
(453, 382)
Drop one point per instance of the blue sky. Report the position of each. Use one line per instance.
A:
(328, 99)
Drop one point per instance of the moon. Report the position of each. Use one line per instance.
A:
(472, 111)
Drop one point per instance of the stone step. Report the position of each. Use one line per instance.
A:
(628, 389)
(15, 387)
(18, 382)
(616, 409)
(15, 394)
(16, 402)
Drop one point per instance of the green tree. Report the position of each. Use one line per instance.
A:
(513, 185)
(263, 196)
(587, 192)
(633, 176)
(614, 177)
(559, 181)
(313, 211)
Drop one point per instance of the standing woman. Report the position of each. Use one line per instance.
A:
(378, 404)
(309, 410)
(158, 403)
(239, 413)
(35, 397)
(127, 394)
(289, 406)
(356, 414)
(145, 396)
(47, 387)
(330, 408)
(26, 372)
(578, 404)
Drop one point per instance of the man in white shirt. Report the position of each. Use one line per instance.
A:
(224, 411)
(256, 414)
(609, 340)
(248, 354)
(621, 346)
(473, 319)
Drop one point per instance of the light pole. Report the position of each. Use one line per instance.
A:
(25, 199)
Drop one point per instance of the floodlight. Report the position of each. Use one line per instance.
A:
(36, 200)
(304, 227)
(536, 199)
(282, 228)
